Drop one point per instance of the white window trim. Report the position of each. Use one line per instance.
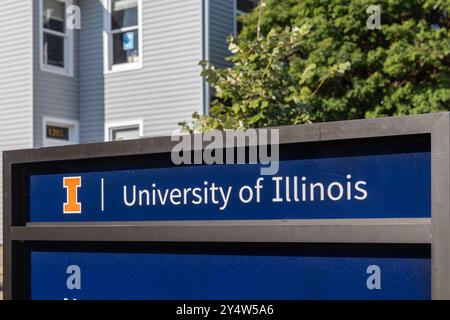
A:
(235, 13)
(68, 45)
(109, 67)
(74, 131)
(122, 125)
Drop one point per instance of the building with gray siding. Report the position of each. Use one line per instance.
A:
(130, 69)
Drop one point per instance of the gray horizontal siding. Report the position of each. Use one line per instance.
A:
(54, 95)
(15, 81)
(169, 88)
(221, 25)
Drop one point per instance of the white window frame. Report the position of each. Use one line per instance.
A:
(72, 125)
(110, 126)
(68, 44)
(237, 13)
(109, 67)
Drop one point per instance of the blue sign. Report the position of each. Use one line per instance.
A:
(372, 186)
(174, 276)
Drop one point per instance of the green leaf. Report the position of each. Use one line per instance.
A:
(308, 73)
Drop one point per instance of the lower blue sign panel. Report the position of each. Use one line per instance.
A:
(237, 276)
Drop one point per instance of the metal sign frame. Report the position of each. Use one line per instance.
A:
(434, 231)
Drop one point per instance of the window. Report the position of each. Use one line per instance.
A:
(243, 7)
(123, 35)
(56, 40)
(126, 130)
(59, 132)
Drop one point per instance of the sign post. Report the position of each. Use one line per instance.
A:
(357, 210)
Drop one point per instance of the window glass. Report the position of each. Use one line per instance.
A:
(125, 47)
(124, 33)
(54, 13)
(53, 50)
(57, 132)
(124, 14)
(246, 6)
(125, 133)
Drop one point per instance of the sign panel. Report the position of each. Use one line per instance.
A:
(56, 132)
(353, 187)
(222, 276)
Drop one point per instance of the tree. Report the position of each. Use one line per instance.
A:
(404, 68)
(259, 90)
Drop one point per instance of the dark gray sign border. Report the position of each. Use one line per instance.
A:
(435, 231)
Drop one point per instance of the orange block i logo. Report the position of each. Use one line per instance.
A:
(72, 206)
